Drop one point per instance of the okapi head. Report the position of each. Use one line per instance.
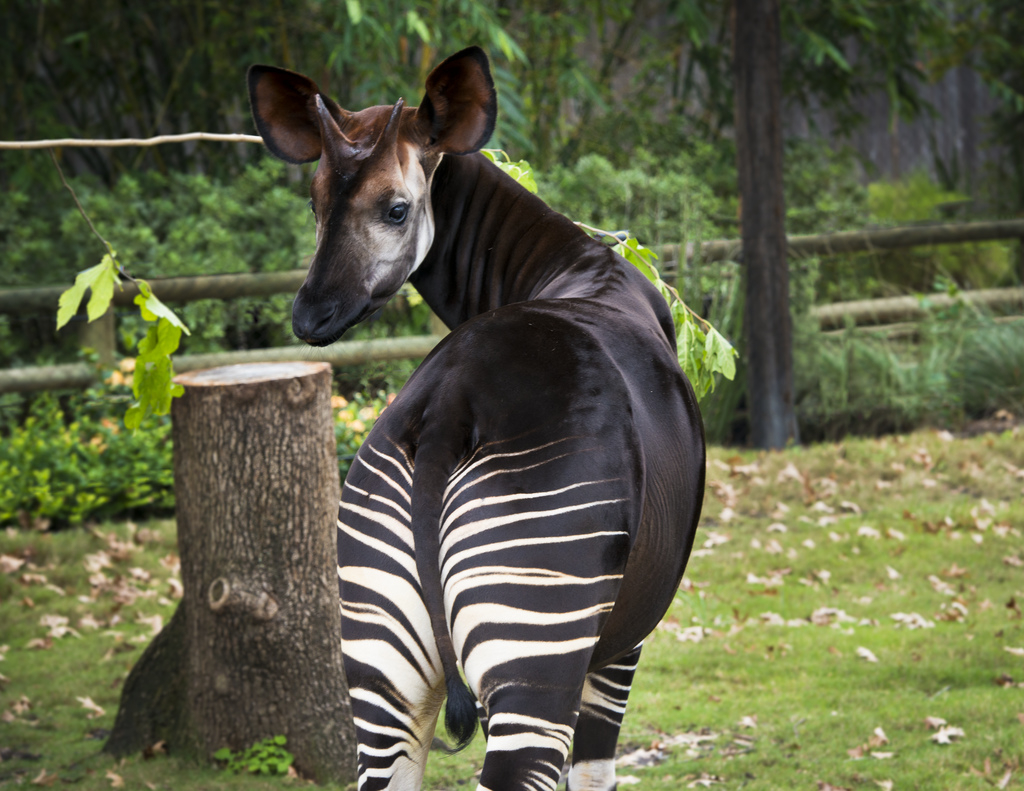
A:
(371, 189)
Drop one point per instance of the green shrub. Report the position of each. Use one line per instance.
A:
(72, 462)
(66, 465)
(916, 198)
(162, 226)
(988, 372)
(658, 201)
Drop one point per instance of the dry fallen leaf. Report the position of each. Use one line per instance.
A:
(947, 733)
(912, 621)
(705, 781)
(96, 711)
(641, 758)
(1014, 651)
(154, 622)
(878, 738)
(116, 781)
(749, 721)
(9, 564)
(44, 779)
(866, 654)
(822, 786)
(790, 473)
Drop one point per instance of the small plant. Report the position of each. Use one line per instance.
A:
(267, 757)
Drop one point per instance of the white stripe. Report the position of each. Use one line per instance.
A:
(369, 614)
(525, 720)
(405, 470)
(524, 741)
(458, 475)
(401, 530)
(404, 676)
(403, 491)
(379, 701)
(402, 513)
(498, 546)
(402, 559)
(472, 529)
(484, 502)
(492, 653)
(510, 575)
(475, 615)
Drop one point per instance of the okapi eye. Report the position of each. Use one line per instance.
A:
(397, 213)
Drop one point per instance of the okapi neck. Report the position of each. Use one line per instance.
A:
(496, 244)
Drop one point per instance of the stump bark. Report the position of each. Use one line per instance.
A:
(254, 649)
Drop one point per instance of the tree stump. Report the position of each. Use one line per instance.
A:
(254, 649)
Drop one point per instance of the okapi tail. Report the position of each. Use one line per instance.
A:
(430, 477)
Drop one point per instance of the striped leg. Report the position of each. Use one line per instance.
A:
(391, 660)
(531, 561)
(597, 731)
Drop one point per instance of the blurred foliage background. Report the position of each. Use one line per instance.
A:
(625, 110)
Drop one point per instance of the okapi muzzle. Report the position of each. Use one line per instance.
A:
(371, 189)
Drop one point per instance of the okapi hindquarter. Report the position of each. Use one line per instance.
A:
(525, 508)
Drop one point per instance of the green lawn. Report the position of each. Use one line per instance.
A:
(780, 664)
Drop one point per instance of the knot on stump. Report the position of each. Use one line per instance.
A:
(226, 596)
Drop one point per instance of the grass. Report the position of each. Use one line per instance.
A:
(919, 524)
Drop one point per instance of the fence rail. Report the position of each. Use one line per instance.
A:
(100, 334)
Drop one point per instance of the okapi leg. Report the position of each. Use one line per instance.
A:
(597, 731)
(527, 751)
(481, 714)
(391, 659)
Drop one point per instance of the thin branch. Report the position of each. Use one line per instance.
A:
(619, 240)
(71, 142)
(81, 211)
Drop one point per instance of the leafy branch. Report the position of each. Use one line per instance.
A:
(702, 350)
(152, 381)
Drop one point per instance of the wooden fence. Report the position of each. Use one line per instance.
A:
(100, 335)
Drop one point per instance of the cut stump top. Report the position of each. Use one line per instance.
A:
(249, 373)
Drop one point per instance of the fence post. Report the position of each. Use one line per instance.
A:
(100, 336)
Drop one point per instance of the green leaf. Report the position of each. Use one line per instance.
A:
(416, 25)
(720, 356)
(281, 739)
(223, 754)
(355, 11)
(152, 308)
(101, 278)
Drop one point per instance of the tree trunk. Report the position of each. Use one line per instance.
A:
(254, 649)
(767, 320)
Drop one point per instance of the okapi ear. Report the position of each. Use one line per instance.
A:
(460, 106)
(285, 110)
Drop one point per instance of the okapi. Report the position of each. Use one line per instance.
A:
(525, 508)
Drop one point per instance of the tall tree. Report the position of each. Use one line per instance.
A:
(767, 320)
